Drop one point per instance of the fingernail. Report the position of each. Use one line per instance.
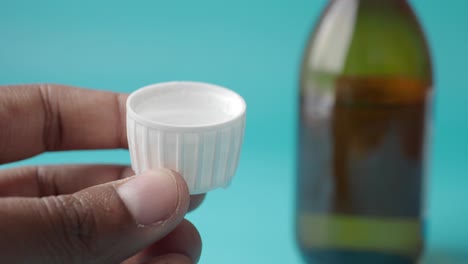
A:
(150, 197)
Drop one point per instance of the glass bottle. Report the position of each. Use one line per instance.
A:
(365, 92)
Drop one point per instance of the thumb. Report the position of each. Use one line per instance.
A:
(103, 224)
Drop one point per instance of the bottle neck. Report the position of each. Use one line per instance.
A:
(370, 37)
(376, 3)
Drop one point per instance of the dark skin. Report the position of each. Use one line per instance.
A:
(73, 213)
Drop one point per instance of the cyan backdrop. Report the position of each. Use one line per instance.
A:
(254, 47)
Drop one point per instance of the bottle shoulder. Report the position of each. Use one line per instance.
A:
(353, 39)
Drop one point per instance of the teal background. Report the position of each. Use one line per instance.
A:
(254, 47)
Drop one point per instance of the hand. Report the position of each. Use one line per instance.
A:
(84, 213)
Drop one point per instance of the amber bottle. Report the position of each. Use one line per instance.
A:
(365, 96)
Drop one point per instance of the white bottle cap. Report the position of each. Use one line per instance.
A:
(193, 128)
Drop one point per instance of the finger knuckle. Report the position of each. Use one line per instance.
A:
(53, 127)
(78, 224)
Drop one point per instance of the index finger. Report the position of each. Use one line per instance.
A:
(38, 118)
